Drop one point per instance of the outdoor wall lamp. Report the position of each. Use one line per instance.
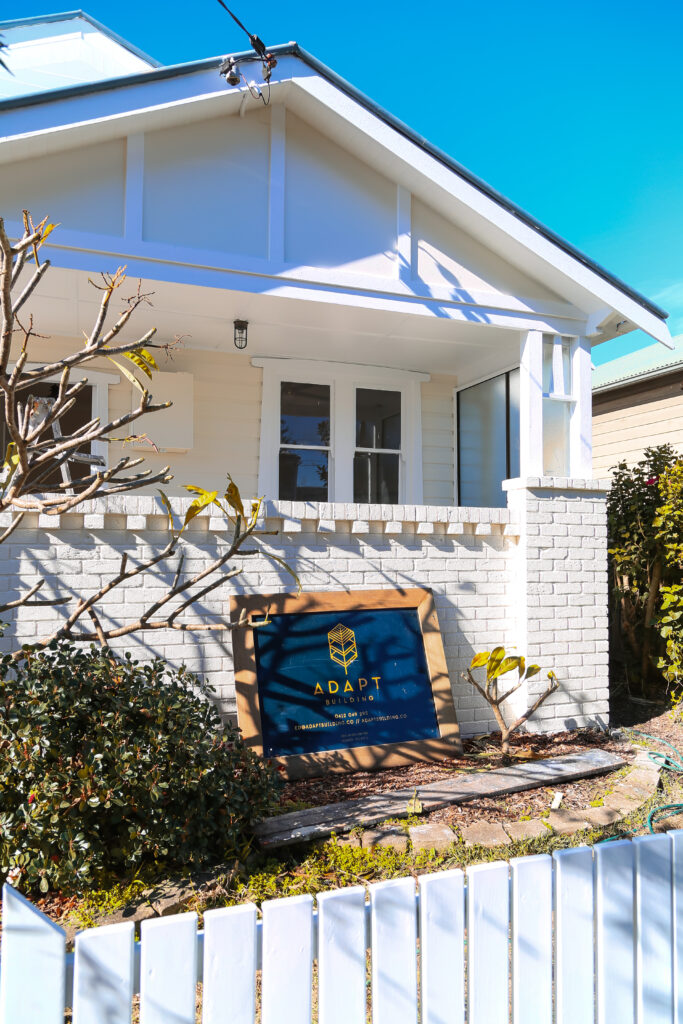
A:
(240, 336)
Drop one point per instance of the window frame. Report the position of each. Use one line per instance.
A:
(100, 381)
(343, 379)
(504, 372)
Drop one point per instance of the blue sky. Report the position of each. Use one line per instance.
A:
(572, 110)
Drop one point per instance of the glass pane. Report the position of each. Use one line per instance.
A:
(482, 444)
(555, 437)
(378, 419)
(547, 365)
(375, 478)
(303, 475)
(567, 366)
(304, 414)
(513, 423)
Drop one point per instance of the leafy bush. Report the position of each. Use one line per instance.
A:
(110, 766)
(669, 524)
(641, 563)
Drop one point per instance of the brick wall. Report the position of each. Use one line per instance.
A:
(532, 575)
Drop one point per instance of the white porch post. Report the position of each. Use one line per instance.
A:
(581, 423)
(531, 405)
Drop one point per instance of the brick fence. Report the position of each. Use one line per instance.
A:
(532, 576)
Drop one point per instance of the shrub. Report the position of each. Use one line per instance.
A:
(669, 524)
(640, 563)
(111, 766)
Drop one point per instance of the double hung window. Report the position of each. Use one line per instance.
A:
(335, 432)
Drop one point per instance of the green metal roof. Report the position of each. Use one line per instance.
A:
(651, 361)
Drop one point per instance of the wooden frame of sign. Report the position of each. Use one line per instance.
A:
(247, 611)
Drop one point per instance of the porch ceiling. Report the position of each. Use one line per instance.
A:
(285, 326)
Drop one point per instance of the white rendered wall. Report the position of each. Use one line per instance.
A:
(493, 582)
(339, 212)
(83, 190)
(206, 185)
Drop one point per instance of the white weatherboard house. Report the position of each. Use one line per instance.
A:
(414, 400)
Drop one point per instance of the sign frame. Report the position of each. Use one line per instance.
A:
(246, 610)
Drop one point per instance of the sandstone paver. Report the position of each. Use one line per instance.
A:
(431, 836)
(566, 822)
(532, 829)
(484, 833)
(393, 837)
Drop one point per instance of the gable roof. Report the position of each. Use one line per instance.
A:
(645, 364)
(78, 15)
(293, 49)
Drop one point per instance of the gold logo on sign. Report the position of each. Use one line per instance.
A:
(342, 641)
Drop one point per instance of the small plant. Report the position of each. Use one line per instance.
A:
(109, 768)
(497, 663)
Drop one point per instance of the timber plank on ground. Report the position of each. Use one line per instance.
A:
(318, 822)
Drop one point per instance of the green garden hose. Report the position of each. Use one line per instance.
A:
(667, 763)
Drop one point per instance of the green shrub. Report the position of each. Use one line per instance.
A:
(641, 564)
(669, 523)
(111, 766)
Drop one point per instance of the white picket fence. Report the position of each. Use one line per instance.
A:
(587, 935)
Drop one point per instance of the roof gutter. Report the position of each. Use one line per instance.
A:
(294, 50)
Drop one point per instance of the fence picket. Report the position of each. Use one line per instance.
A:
(33, 950)
(229, 989)
(168, 970)
(654, 929)
(442, 947)
(676, 842)
(394, 952)
(532, 939)
(615, 968)
(103, 974)
(488, 916)
(341, 956)
(574, 938)
(287, 960)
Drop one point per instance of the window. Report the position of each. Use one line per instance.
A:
(376, 462)
(488, 439)
(337, 432)
(557, 404)
(93, 401)
(304, 441)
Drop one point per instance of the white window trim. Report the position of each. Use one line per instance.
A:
(100, 382)
(343, 379)
(456, 439)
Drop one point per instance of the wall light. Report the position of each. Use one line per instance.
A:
(240, 336)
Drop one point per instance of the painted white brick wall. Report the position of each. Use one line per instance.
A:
(535, 575)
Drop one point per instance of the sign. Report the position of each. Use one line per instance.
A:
(341, 681)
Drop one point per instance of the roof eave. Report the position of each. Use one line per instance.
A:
(293, 49)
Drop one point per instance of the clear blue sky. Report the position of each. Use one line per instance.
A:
(573, 110)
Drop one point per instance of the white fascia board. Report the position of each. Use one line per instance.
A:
(70, 122)
(501, 221)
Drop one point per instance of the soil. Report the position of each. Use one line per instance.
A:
(480, 754)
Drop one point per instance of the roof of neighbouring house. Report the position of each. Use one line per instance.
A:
(54, 51)
(646, 363)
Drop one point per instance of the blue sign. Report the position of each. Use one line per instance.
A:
(331, 680)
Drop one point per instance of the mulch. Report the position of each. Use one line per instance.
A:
(480, 754)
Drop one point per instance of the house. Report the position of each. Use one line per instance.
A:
(637, 404)
(414, 395)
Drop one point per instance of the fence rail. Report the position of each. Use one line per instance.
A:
(585, 936)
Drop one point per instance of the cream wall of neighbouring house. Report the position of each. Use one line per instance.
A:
(627, 421)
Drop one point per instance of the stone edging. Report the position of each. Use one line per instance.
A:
(627, 796)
